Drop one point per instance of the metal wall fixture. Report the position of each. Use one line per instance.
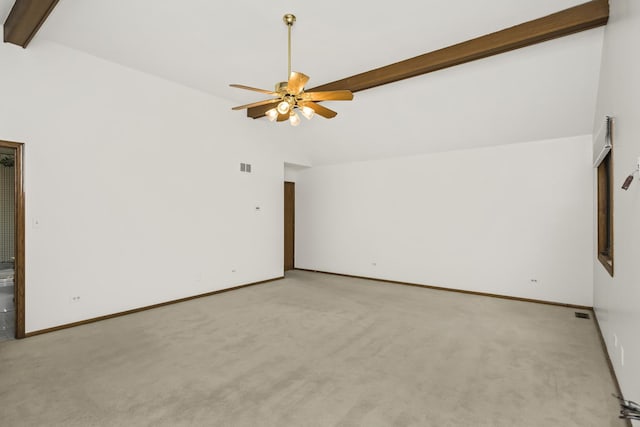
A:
(629, 179)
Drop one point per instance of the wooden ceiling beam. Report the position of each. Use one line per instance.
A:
(25, 19)
(583, 17)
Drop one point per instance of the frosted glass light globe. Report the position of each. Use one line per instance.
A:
(307, 112)
(294, 119)
(272, 114)
(283, 107)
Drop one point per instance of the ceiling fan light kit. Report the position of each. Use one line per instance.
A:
(290, 95)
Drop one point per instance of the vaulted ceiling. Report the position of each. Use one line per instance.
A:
(539, 92)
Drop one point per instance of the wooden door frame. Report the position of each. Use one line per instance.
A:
(293, 237)
(19, 241)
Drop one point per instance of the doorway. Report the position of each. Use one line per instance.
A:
(289, 225)
(12, 286)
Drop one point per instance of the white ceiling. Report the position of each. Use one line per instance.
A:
(544, 91)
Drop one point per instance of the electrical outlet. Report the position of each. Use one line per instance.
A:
(534, 281)
(75, 299)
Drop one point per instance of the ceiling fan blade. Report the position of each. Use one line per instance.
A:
(257, 104)
(319, 109)
(255, 89)
(296, 82)
(333, 95)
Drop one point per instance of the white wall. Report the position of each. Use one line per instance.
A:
(617, 299)
(487, 220)
(135, 185)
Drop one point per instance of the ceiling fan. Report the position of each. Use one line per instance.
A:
(290, 95)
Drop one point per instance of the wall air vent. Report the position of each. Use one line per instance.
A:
(582, 315)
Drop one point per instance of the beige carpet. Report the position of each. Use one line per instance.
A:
(316, 350)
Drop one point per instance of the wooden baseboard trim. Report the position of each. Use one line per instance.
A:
(461, 291)
(148, 307)
(609, 363)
